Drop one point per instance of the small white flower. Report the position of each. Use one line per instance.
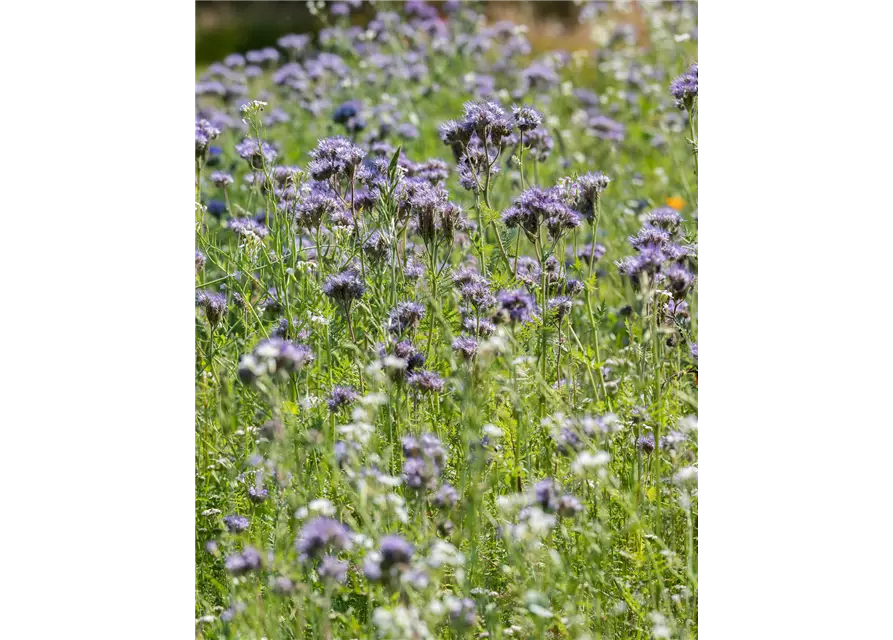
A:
(542, 612)
(493, 431)
(322, 506)
(211, 512)
(687, 475)
(586, 461)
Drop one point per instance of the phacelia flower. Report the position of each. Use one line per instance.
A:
(527, 118)
(332, 569)
(515, 306)
(321, 535)
(467, 347)
(236, 523)
(684, 88)
(446, 497)
(213, 304)
(425, 381)
(568, 506)
(406, 316)
(246, 561)
(335, 157)
(344, 287)
(257, 155)
(341, 397)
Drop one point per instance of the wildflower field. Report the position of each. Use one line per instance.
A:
(446, 329)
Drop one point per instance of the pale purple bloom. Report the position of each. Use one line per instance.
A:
(245, 562)
(332, 569)
(344, 287)
(425, 381)
(341, 397)
(406, 316)
(321, 535)
(236, 523)
(515, 306)
(466, 346)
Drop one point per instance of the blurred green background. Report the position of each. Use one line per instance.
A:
(226, 27)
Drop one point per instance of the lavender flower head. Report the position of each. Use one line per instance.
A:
(213, 304)
(221, 179)
(645, 443)
(560, 306)
(293, 42)
(425, 460)
(467, 347)
(545, 496)
(462, 613)
(406, 316)
(247, 561)
(341, 397)
(515, 306)
(678, 280)
(665, 218)
(257, 155)
(568, 506)
(527, 118)
(536, 206)
(335, 157)
(332, 569)
(446, 497)
(236, 523)
(321, 535)
(344, 287)
(584, 193)
(258, 493)
(248, 229)
(273, 356)
(487, 120)
(204, 133)
(425, 381)
(393, 558)
(684, 88)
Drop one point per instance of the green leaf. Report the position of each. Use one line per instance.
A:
(392, 167)
(290, 407)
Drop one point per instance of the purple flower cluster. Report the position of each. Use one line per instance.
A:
(425, 381)
(258, 155)
(273, 356)
(516, 306)
(545, 495)
(335, 157)
(322, 535)
(344, 287)
(541, 206)
(246, 561)
(248, 228)
(406, 316)
(236, 523)
(204, 133)
(393, 558)
(424, 463)
(661, 258)
(213, 304)
(684, 88)
(341, 397)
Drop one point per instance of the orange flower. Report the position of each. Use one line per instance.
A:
(676, 202)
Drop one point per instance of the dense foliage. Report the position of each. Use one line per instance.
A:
(446, 358)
